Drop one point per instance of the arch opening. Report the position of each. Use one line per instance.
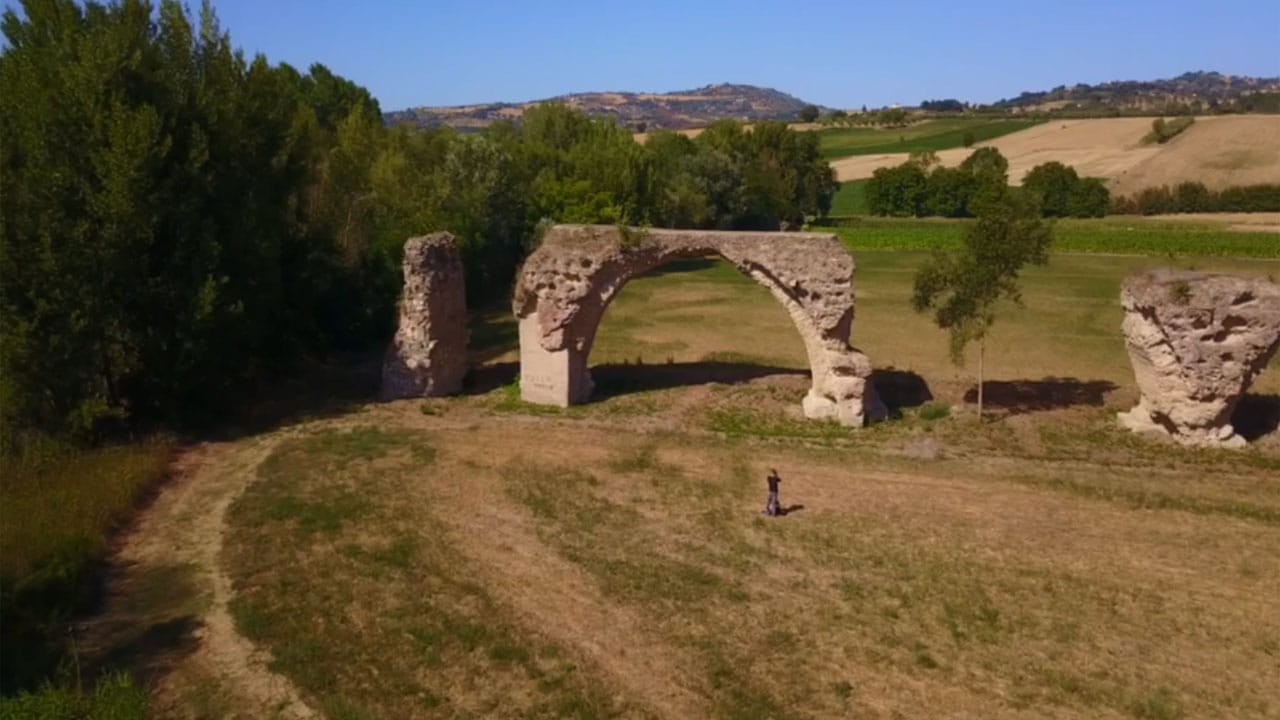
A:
(692, 322)
(566, 285)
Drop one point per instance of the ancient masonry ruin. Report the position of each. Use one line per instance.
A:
(428, 356)
(565, 286)
(1196, 342)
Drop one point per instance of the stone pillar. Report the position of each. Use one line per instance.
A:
(428, 356)
(1196, 342)
(551, 377)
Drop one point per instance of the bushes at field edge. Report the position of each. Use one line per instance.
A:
(1191, 197)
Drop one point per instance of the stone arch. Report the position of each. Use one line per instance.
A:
(565, 286)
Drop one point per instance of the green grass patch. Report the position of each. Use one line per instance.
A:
(115, 697)
(935, 135)
(745, 421)
(1120, 235)
(1159, 705)
(934, 410)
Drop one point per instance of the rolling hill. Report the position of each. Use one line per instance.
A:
(675, 110)
(1194, 91)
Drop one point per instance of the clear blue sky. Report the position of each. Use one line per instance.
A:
(841, 53)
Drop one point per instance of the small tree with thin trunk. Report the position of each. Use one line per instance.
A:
(963, 289)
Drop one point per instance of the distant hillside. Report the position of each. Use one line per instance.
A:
(682, 109)
(1193, 91)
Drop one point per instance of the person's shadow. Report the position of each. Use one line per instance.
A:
(789, 509)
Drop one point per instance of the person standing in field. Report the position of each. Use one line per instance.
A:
(771, 507)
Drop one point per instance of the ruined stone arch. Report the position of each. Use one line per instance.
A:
(565, 286)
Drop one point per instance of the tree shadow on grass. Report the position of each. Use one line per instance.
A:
(148, 623)
(1256, 415)
(1017, 397)
(311, 390)
(491, 333)
(486, 378)
(619, 379)
(614, 379)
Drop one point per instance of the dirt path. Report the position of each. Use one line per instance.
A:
(166, 615)
(556, 597)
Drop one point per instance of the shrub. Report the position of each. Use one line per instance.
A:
(1156, 201)
(116, 697)
(1195, 197)
(934, 410)
(1088, 198)
(1163, 132)
(1249, 198)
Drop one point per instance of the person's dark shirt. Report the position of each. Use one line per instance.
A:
(773, 481)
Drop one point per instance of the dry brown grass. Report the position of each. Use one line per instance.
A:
(1042, 563)
(1217, 151)
(998, 580)
(478, 557)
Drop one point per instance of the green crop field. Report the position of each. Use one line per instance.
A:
(1123, 235)
(850, 199)
(928, 135)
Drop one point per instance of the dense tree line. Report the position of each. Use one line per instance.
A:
(922, 187)
(1195, 197)
(950, 105)
(1063, 193)
(178, 218)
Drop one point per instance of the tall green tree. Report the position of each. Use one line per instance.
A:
(157, 225)
(900, 191)
(1052, 184)
(964, 289)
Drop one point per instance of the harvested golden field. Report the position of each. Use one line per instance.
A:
(1217, 151)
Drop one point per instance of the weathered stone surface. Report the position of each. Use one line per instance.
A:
(565, 286)
(428, 356)
(1196, 342)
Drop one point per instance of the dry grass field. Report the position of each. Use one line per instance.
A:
(478, 557)
(1217, 151)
